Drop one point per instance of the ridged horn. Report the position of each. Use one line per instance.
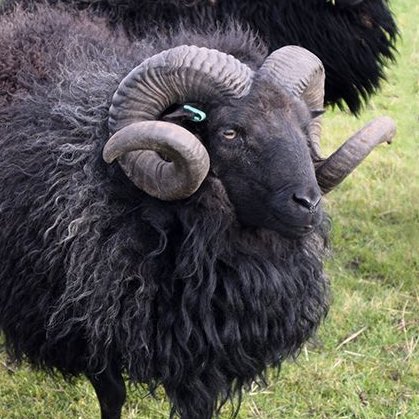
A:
(343, 161)
(179, 75)
(169, 180)
(302, 74)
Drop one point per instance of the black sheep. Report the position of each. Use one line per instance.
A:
(353, 38)
(197, 285)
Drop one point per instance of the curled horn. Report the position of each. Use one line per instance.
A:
(302, 74)
(333, 170)
(182, 175)
(178, 75)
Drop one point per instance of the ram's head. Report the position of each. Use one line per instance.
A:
(189, 112)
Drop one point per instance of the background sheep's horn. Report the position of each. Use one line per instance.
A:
(343, 161)
(179, 75)
(302, 74)
(177, 178)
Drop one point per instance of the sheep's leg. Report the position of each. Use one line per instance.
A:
(110, 390)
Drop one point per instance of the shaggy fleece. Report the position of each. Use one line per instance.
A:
(94, 271)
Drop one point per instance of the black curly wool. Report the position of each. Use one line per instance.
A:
(354, 39)
(94, 271)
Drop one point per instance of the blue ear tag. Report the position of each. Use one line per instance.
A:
(198, 115)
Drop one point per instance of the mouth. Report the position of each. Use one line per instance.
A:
(296, 231)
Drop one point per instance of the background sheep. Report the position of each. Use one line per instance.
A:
(354, 39)
(99, 277)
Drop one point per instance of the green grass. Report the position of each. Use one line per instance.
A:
(364, 363)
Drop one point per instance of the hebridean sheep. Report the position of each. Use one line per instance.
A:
(354, 39)
(216, 272)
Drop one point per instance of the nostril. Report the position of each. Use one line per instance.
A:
(305, 201)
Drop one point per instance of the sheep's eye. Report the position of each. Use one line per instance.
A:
(230, 134)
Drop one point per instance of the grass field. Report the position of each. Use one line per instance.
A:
(364, 363)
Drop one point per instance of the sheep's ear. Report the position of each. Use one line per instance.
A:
(182, 113)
